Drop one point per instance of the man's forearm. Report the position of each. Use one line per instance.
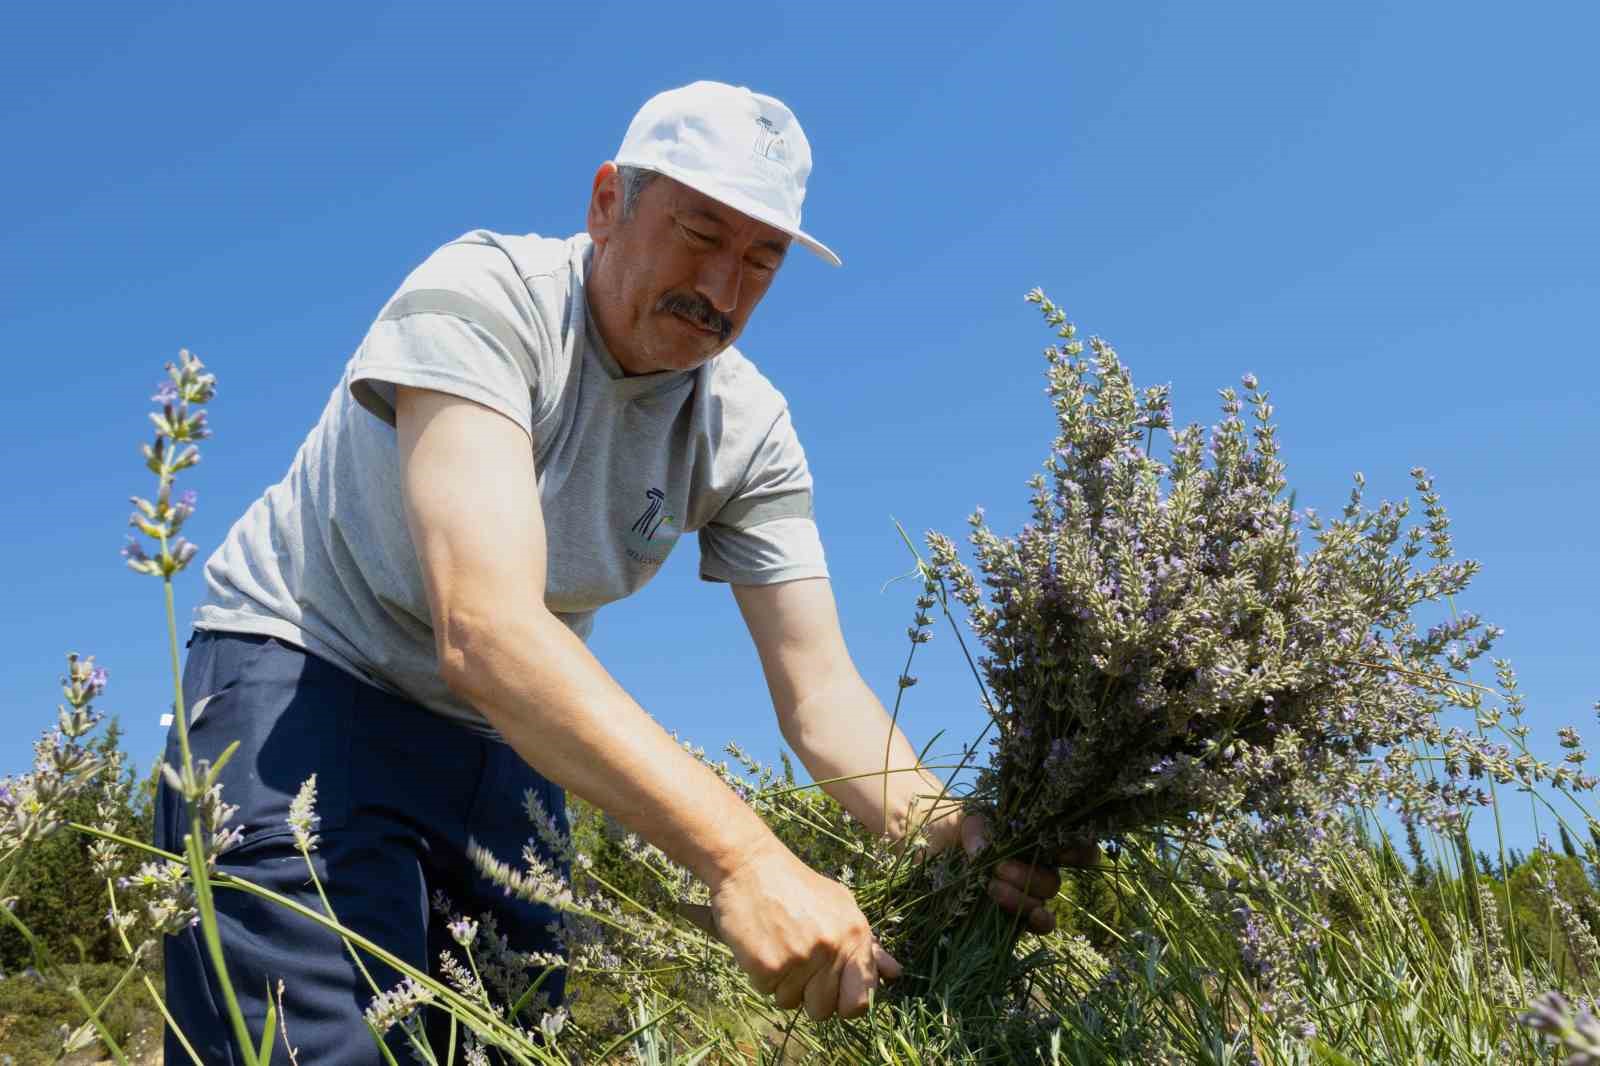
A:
(841, 731)
(540, 686)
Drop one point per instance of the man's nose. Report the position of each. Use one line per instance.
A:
(719, 282)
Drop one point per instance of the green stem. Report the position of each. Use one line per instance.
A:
(99, 1026)
(888, 741)
(193, 847)
(212, 936)
(472, 963)
(625, 1037)
(774, 793)
(177, 669)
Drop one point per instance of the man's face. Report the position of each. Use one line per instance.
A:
(674, 283)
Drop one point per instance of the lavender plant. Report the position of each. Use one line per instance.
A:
(1574, 1028)
(31, 803)
(180, 424)
(32, 807)
(1163, 656)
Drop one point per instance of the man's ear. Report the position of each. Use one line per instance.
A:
(605, 203)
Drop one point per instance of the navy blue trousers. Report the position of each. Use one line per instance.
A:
(401, 791)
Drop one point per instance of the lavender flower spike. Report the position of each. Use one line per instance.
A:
(303, 816)
(1578, 1032)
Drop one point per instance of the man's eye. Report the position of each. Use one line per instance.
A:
(703, 238)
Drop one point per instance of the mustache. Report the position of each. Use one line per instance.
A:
(697, 309)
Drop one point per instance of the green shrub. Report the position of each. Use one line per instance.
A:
(33, 1009)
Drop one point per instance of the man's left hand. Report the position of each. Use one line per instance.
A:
(1019, 887)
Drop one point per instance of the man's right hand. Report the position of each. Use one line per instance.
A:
(800, 936)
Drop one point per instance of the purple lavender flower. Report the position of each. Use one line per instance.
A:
(463, 931)
(182, 552)
(1578, 1031)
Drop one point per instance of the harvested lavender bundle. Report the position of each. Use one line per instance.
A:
(1161, 658)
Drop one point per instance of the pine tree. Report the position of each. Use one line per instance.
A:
(1389, 860)
(1421, 869)
(1468, 871)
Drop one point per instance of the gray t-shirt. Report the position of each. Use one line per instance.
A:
(324, 559)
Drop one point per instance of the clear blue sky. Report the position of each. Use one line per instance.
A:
(1387, 212)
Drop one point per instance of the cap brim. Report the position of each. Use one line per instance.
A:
(816, 247)
(755, 211)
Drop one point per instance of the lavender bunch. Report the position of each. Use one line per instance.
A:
(1163, 655)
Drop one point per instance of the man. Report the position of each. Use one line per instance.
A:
(524, 433)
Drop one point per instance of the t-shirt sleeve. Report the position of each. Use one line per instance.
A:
(455, 326)
(443, 353)
(767, 532)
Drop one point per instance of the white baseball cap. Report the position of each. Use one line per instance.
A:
(738, 147)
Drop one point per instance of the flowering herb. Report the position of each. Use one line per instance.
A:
(1573, 1028)
(303, 816)
(1162, 654)
(179, 428)
(63, 766)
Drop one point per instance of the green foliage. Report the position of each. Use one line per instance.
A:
(611, 861)
(1090, 906)
(1405, 974)
(33, 1009)
(58, 898)
(1535, 917)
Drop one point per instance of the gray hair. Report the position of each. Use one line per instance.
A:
(634, 181)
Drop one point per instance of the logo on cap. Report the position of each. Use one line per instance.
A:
(769, 142)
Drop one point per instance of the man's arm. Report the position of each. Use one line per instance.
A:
(839, 729)
(831, 718)
(472, 503)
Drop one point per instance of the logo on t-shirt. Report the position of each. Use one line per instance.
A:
(653, 533)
